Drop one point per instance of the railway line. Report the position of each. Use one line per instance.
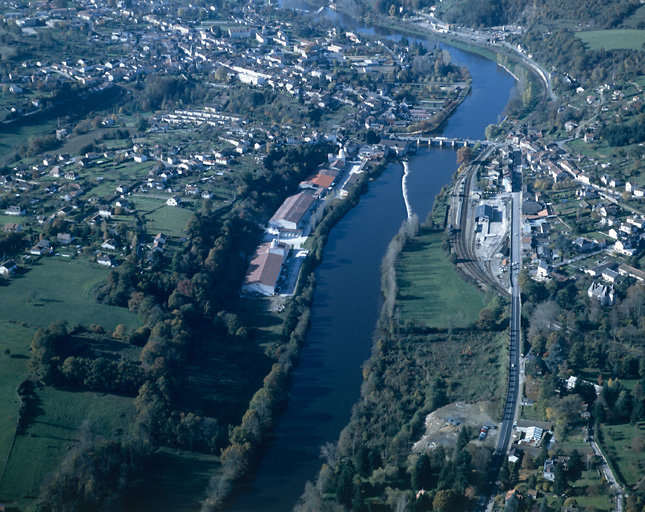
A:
(463, 241)
(463, 233)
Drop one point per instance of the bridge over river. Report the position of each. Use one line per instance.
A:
(442, 141)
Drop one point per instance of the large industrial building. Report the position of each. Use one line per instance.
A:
(291, 218)
(264, 270)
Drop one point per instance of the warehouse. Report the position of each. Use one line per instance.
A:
(291, 216)
(264, 270)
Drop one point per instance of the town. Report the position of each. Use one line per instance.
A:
(186, 327)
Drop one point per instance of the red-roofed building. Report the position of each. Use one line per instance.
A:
(264, 270)
(318, 181)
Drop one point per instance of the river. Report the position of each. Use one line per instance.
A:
(327, 380)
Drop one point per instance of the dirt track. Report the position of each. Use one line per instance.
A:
(444, 424)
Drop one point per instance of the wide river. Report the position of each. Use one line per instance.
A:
(327, 380)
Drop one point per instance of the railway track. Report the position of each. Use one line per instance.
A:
(463, 239)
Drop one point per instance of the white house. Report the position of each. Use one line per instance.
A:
(602, 293)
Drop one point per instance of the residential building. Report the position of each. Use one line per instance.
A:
(602, 293)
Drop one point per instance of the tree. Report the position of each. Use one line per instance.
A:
(344, 489)
(571, 502)
(371, 137)
(492, 131)
(505, 474)
(463, 438)
(575, 465)
(444, 501)
(624, 404)
(528, 462)
(358, 499)
(120, 332)
(560, 482)
(512, 504)
(94, 476)
(464, 155)
(422, 473)
(362, 461)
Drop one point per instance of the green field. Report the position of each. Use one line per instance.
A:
(170, 220)
(613, 39)
(14, 355)
(635, 19)
(50, 290)
(624, 446)
(185, 474)
(53, 430)
(430, 291)
(20, 134)
(55, 289)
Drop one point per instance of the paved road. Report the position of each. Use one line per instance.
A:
(511, 408)
(618, 491)
(482, 38)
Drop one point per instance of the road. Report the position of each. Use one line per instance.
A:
(618, 491)
(429, 21)
(511, 408)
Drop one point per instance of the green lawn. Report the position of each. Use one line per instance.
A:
(430, 291)
(600, 503)
(595, 496)
(624, 445)
(53, 430)
(613, 39)
(14, 219)
(170, 220)
(146, 204)
(56, 288)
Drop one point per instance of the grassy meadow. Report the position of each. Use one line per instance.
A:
(56, 288)
(185, 473)
(50, 290)
(430, 290)
(57, 422)
(617, 39)
(624, 444)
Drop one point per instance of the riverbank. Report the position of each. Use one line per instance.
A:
(242, 456)
(347, 301)
(495, 53)
(414, 369)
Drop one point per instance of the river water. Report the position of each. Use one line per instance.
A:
(327, 380)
